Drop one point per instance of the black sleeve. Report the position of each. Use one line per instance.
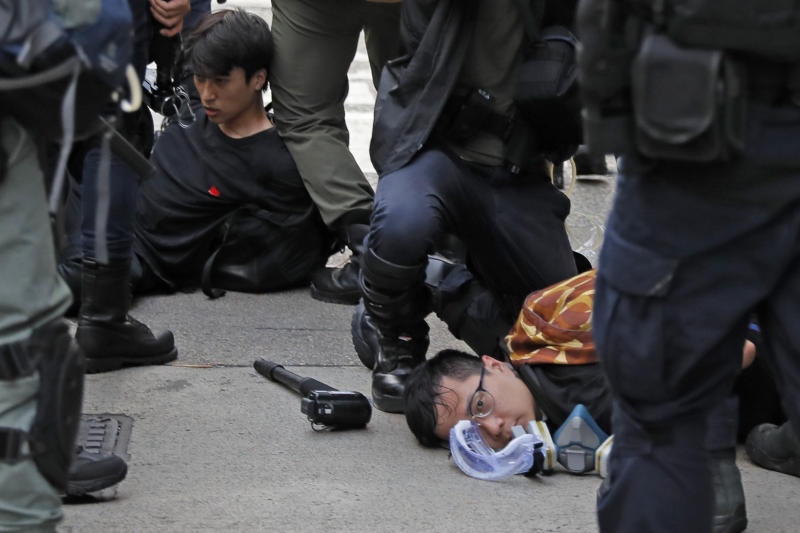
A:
(557, 389)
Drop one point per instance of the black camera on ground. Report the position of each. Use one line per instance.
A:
(333, 408)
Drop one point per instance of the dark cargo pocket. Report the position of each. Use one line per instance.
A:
(628, 320)
(688, 103)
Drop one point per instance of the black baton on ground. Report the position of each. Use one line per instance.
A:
(299, 384)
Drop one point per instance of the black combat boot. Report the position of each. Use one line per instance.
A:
(389, 330)
(109, 337)
(91, 472)
(589, 163)
(730, 515)
(775, 448)
(70, 271)
(340, 285)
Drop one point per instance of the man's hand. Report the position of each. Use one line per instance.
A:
(170, 13)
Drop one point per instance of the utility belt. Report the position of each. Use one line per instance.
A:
(654, 84)
(770, 29)
(469, 112)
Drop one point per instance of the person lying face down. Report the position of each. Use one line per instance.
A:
(554, 369)
(455, 385)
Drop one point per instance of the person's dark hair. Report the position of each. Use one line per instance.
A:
(230, 38)
(423, 392)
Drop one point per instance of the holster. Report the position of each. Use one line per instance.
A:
(468, 112)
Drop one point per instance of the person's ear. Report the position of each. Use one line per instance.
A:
(494, 365)
(259, 81)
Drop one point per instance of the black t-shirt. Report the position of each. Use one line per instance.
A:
(201, 176)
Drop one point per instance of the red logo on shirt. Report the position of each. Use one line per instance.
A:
(213, 191)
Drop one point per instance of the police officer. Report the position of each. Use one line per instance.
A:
(109, 337)
(41, 368)
(32, 300)
(440, 144)
(705, 229)
(315, 42)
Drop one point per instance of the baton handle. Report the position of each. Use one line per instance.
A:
(299, 384)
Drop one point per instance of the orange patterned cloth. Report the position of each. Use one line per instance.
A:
(555, 324)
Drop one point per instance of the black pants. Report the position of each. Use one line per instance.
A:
(512, 225)
(690, 253)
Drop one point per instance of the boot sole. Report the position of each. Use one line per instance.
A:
(789, 466)
(80, 488)
(335, 297)
(388, 404)
(730, 524)
(106, 364)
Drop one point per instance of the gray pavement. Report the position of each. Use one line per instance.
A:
(216, 447)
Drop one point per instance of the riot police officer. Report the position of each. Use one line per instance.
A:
(701, 98)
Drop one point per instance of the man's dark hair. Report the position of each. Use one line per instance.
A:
(423, 392)
(230, 38)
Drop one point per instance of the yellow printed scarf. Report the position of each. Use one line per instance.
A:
(555, 324)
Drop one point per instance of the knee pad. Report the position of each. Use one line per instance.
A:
(52, 352)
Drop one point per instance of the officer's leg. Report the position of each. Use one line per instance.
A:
(108, 336)
(662, 331)
(389, 330)
(519, 242)
(770, 446)
(71, 254)
(315, 42)
(37, 295)
(729, 506)
(669, 331)
(381, 34)
(642, 492)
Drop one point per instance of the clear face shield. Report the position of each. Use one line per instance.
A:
(477, 459)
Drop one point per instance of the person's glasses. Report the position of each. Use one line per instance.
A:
(481, 403)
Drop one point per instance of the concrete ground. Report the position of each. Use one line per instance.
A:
(216, 447)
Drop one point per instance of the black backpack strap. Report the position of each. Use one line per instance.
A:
(11, 445)
(205, 280)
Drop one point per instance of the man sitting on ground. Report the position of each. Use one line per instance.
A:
(230, 160)
(232, 156)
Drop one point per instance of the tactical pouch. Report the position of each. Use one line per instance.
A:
(689, 103)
